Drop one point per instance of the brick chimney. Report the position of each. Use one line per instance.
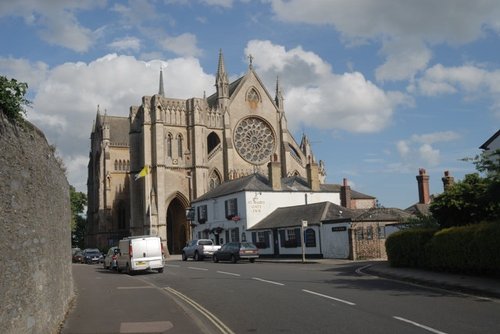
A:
(423, 187)
(312, 175)
(345, 195)
(274, 172)
(448, 180)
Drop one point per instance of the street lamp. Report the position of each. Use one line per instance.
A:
(190, 218)
(303, 225)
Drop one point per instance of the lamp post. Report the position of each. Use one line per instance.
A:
(304, 224)
(190, 218)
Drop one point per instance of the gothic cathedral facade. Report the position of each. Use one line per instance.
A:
(190, 146)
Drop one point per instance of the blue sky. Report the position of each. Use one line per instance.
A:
(382, 88)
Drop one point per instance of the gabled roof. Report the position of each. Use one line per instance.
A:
(383, 214)
(212, 99)
(292, 216)
(486, 145)
(253, 182)
(259, 182)
(327, 212)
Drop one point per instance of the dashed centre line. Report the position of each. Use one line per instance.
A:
(419, 325)
(266, 281)
(330, 297)
(226, 273)
(198, 268)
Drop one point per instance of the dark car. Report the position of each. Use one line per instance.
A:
(234, 251)
(77, 257)
(92, 255)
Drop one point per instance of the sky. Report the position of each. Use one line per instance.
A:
(381, 88)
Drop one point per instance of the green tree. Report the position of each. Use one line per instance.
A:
(78, 202)
(12, 100)
(473, 200)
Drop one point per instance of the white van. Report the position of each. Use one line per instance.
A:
(140, 253)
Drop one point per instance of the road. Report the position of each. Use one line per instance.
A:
(292, 298)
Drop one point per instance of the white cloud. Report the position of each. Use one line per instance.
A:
(318, 97)
(24, 71)
(406, 29)
(403, 148)
(127, 43)
(182, 45)
(471, 80)
(429, 155)
(420, 148)
(55, 20)
(403, 60)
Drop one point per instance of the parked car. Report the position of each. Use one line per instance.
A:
(77, 257)
(234, 251)
(92, 255)
(110, 258)
(199, 249)
(140, 253)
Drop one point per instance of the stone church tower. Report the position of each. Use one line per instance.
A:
(191, 146)
(108, 207)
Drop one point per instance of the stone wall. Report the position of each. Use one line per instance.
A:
(36, 282)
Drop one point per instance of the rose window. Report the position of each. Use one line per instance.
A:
(254, 140)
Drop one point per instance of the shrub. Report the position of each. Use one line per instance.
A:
(469, 249)
(407, 248)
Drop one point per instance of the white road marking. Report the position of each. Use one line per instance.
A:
(226, 273)
(197, 268)
(263, 280)
(212, 318)
(134, 287)
(330, 297)
(172, 265)
(419, 325)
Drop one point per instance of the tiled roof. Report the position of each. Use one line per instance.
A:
(326, 212)
(383, 214)
(292, 216)
(259, 182)
(253, 182)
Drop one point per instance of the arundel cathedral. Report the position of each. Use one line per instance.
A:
(188, 146)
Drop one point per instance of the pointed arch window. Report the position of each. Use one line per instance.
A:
(169, 145)
(212, 142)
(116, 164)
(179, 146)
(215, 180)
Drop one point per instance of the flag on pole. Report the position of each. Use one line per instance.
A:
(142, 173)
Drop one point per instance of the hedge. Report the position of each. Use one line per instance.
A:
(407, 248)
(472, 249)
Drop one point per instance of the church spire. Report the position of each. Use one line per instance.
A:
(279, 96)
(161, 91)
(221, 81)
